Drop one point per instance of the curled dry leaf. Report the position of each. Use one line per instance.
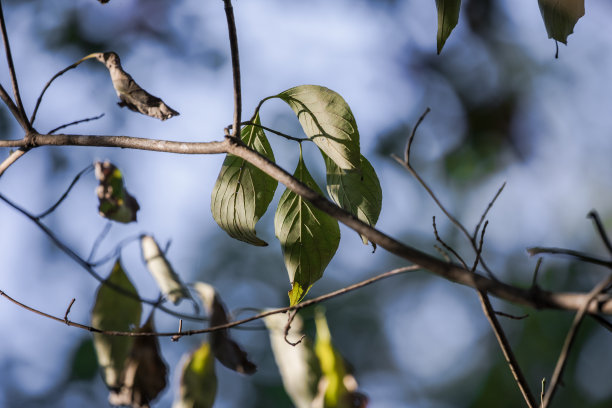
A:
(226, 350)
(198, 380)
(167, 280)
(130, 93)
(144, 374)
(115, 202)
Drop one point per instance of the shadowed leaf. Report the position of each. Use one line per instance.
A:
(130, 93)
(357, 191)
(326, 119)
(114, 311)
(167, 280)
(448, 16)
(226, 350)
(560, 17)
(242, 192)
(309, 238)
(144, 375)
(198, 380)
(115, 202)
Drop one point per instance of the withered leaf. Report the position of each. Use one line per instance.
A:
(115, 202)
(226, 350)
(130, 93)
(144, 375)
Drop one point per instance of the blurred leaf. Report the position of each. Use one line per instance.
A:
(337, 388)
(448, 16)
(226, 350)
(115, 201)
(326, 119)
(297, 364)
(84, 365)
(560, 17)
(357, 191)
(242, 192)
(114, 311)
(144, 375)
(198, 380)
(167, 280)
(309, 238)
(130, 93)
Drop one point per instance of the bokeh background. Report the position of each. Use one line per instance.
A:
(503, 109)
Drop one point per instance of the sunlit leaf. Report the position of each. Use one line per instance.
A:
(115, 202)
(298, 365)
(326, 119)
(309, 238)
(226, 350)
(198, 380)
(144, 375)
(357, 191)
(448, 16)
(560, 17)
(114, 311)
(130, 93)
(337, 387)
(242, 192)
(167, 280)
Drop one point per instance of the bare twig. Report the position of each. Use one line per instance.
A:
(76, 122)
(411, 139)
(290, 317)
(63, 197)
(233, 37)
(87, 266)
(569, 340)
(276, 132)
(509, 316)
(180, 329)
(600, 229)
(486, 211)
(570, 252)
(228, 325)
(68, 310)
(507, 350)
(602, 321)
(98, 241)
(13, 157)
(534, 282)
(22, 118)
(446, 246)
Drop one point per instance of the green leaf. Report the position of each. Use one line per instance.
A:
(84, 365)
(448, 16)
(115, 202)
(226, 350)
(198, 387)
(298, 365)
(357, 191)
(114, 311)
(167, 280)
(326, 119)
(242, 192)
(332, 365)
(560, 17)
(309, 238)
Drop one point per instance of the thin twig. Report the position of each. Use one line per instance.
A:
(570, 252)
(506, 350)
(290, 317)
(11, 105)
(88, 267)
(228, 325)
(602, 321)
(486, 211)
(600, 229)
(13, 157)
(63, 197)
(180, 329)
(233, 38)
(534, 282)
(76, 122)
(411, 139)
(569, 341)
(68, 310)
(510, 316)
(98, 241)
(9, 60)
(480, 247)
(446, 246)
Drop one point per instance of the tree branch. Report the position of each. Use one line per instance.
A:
(233, 37)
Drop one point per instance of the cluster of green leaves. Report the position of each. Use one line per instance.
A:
(308, 237)
(560, 17)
